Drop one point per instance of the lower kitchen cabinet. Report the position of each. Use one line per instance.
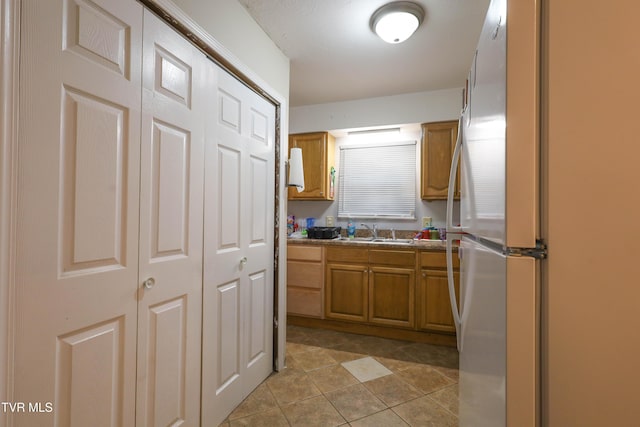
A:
(396, 292)
(371, 286)
(305, 280)
(433, 302)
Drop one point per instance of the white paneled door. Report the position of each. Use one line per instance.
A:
(118, 225)
(77, 235)
(238, 249)
(175, 86)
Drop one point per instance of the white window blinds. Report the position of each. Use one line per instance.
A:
(378, 181)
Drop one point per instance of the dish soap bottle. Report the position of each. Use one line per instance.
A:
(351, 229)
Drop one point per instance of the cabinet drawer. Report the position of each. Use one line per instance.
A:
(306, 302)
(360, 255)
(390, 257)
(305, 274)
(437, 260)
(304, 253)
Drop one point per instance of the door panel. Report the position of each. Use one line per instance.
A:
(171, 209)
(170, 163)
(392, 296)
(166, 369)
(239, 248)
(258, 300)
(79, 353)
(77, 222)
(92, 161)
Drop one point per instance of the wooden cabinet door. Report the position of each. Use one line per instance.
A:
(438, 143)
(346, 292)
(392, 296)
(316, 155)
(434, 306)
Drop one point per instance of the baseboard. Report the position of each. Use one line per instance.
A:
(378, 331)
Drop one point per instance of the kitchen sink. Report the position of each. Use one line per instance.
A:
(381, 240)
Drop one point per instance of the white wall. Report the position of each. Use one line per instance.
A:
(410, 109)
(231, 25)
(420, 107)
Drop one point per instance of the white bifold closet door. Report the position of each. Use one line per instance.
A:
(78, 212)
(176, 82)
(238, 248)
(119, 116)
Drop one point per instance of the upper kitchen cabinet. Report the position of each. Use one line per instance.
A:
(318, 154)
(438, 143)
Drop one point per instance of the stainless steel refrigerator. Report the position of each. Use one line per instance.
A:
(500, 246)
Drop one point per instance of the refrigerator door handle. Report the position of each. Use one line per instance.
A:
(453, 171)
(452, 292)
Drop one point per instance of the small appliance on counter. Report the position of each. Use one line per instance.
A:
(323, 232)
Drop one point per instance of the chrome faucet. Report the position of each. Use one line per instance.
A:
(374, 230)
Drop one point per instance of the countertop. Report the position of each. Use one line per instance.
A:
(439, 245)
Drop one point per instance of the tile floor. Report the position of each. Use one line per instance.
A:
(340, 379)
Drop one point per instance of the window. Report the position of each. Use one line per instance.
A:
(378, 181)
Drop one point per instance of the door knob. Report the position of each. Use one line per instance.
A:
(149, 283)
(243, 261)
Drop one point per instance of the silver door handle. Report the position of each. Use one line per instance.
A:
(149, 283)
(243, 262)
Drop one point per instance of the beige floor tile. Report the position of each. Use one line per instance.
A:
(451, 373)
(288, 387)
(344, 356)
(392, 390)
(310, 360)
(436, 355)
(355, 402)
(270, 418)
(395, 365)
(332, 378)
(447, 397)
(386, 418)
(366, 369)
(313, 412)
(292, 363)
(313, 361)
(294, 348)
(259, 400)
(424, 412)
(425, 378)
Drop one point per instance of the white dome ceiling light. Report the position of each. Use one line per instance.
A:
(396, 22)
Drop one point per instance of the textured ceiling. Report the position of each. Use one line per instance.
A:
(336, 57)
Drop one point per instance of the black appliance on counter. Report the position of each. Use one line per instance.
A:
(323, 232)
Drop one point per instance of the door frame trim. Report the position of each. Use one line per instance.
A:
(10, 47)
(212, 48)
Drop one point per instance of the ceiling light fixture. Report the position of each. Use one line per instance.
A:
(395, 22)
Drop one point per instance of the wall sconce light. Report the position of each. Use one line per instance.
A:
(395, 22)
(296, 170)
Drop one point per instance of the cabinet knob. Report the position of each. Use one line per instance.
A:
(149, 283)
